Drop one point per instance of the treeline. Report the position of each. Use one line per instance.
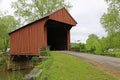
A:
(109, 45)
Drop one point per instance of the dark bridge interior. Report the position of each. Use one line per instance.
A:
(57, 35)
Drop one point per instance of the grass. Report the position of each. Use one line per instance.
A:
(65, 67)
(19, 76)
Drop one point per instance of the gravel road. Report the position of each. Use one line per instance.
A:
(112, 64)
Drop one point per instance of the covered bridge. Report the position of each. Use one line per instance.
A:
(52, 30)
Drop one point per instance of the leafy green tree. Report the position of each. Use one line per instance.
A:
(111, 19)
(82, 46)
(98, 47)
(94, 44)
(90, 42)
(105, 43)
(111, 23)
(115, 40)
(30, 10)
(7, 24)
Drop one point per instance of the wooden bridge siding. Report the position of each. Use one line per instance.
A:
(68, 40)
(28, 40)
(63, 16)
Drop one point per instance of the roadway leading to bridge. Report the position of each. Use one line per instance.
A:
(109, 64)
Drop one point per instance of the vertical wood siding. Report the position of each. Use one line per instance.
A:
(63, 16)
(68, 40)
(28, 40)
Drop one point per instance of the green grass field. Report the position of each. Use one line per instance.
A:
(65, 67)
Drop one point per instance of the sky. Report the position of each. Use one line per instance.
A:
(87, 14)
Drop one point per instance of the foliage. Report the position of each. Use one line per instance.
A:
(111, 23)
(75, 47)
(19, 76)
(45, 51)
(103, 45)
(2, 61)
(115, 40)
(30, 10)
(82, 46)
(34, 59)
(66, 67)
(78, 47)
(0, 52)
(7, 24)
(45, 64)
(92, 42)
(113, 53)
(111, 19)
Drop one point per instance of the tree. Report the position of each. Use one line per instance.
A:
(82, 46)
(105, 43)
(93, 44)
(90, 43)
(115, 40)
(111, 19)
(98, 47)
(111, 22)
(30, 10)
(7, 24)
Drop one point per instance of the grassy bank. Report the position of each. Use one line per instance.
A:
(65, 67)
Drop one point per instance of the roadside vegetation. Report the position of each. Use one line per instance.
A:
(65, 67)
(109, 45)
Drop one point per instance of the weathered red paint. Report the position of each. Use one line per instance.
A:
(63, 16)
(29, 39)
(68, 38)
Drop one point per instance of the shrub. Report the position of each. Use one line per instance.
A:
(45, 51)
(34, 59)
(2, 61)
(117, 54)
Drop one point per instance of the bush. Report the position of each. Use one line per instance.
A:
(117, 54)
(2, 61)
(112, 52)
(45, 51)
(34, 59)
(0, 52)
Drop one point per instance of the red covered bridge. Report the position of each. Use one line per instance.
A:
(52, 30)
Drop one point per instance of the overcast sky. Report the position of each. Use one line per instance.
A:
(87, 13)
